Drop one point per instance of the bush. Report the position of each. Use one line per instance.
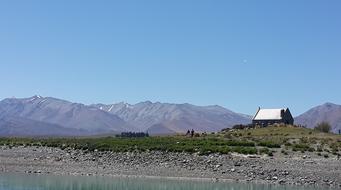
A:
(264, 151)
(269, 144)
(133, 134)
(319, 149)
(239, 143)
(323, 127)
(225, 130)
(302, 148)
(244, 150)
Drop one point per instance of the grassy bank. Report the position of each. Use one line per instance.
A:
(286, 139)
(252, 141)
(203, 145)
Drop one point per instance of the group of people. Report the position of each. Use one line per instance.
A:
(190, 133)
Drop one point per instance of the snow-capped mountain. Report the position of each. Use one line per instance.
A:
(51, 116)
(63, 113)
(173, 118)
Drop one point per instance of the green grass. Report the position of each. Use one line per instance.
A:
(172, 144)
(253, 141)
(302, 148)
(269, 144)
(288, 131)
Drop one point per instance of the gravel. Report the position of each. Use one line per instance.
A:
(305, 171)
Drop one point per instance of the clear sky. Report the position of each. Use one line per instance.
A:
(237, 54)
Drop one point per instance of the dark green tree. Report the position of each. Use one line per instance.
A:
(323, 127)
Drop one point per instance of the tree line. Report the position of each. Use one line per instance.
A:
(133, 134)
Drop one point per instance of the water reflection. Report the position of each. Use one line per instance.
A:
(46, 182)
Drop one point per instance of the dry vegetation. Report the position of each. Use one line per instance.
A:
(280, 140)
(286, 139)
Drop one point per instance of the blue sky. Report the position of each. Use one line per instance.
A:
(238, 54)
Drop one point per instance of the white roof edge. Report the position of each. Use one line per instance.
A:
(269, 114)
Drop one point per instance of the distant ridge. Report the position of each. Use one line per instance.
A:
(48, 116)
(174, 118)
(21, 127)
(59, 112)
(328, 112)
(39, 116)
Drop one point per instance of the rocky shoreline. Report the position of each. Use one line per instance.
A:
(299, 170)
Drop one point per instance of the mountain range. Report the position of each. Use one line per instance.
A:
(159, 118)
(48, 116)
(77, 118)
(327, 112)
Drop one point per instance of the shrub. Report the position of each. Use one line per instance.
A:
(323, 127)
(133, 134)
(239, 143)
(264, 151)
(301, 147)
(334, 147)
(225, 130)
(269, 144)
(244, 150)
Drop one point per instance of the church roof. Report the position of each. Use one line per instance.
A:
(269, 114)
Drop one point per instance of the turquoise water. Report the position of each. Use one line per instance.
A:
(43, 182)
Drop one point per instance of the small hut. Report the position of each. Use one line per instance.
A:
(266, 117)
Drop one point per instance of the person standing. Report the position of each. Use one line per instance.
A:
(192, 133)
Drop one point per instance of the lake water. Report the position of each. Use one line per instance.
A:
(47, 182)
